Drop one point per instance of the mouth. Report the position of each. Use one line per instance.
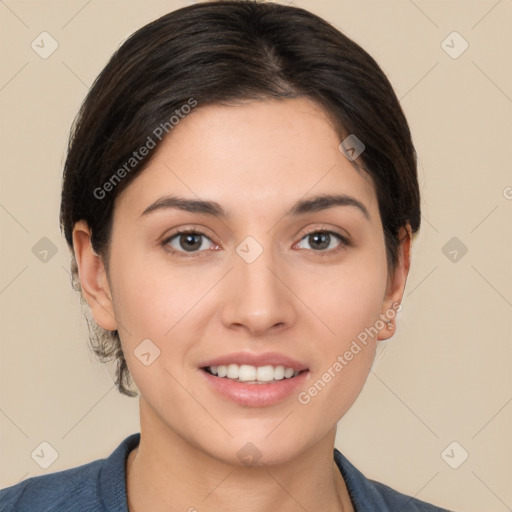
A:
(248, 374)
(249, 385)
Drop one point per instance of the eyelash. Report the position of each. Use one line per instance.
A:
(344, 242)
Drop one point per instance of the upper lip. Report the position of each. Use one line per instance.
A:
(265, 359)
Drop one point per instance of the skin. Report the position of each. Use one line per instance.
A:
(255, 160)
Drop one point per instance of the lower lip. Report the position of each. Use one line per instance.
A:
(255, 395)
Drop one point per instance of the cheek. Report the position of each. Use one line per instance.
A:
(150, 298)
(152, 311)
(343, 359)
(347, 299)
(164, 304)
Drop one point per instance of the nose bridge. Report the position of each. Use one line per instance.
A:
(258, 299)
(255, 275)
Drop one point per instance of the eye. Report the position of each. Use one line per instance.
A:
(194, 241)
(320, 240)
(187, 241)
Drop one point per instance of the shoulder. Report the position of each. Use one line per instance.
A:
(97, 485)
(46, 492)
(368, 494)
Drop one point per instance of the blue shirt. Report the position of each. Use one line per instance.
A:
(100, 486)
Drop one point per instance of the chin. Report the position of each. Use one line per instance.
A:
(258, 450)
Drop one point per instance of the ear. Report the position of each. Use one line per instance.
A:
(93, 278)
(396, 285)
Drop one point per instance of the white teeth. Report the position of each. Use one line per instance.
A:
(232, 371)
(248, 373)
(279, 372)
(267, 373)
(288, 372)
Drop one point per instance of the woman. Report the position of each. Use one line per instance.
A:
(239, 197)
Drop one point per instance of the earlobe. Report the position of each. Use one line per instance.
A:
(93, 278)
(396, 285)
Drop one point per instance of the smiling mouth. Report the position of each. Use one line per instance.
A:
(248, 374)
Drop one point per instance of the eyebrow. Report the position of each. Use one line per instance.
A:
(313, 204)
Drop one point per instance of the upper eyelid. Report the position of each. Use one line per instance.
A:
(325, 229)
(186, 231)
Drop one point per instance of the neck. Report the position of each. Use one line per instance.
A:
(166, 472)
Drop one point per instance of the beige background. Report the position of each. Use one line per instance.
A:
(444, 377)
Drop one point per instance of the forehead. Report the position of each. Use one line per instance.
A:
(250, 157)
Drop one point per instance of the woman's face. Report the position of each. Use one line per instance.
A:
(262, 285)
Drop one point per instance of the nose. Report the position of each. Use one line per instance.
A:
(258, 296)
